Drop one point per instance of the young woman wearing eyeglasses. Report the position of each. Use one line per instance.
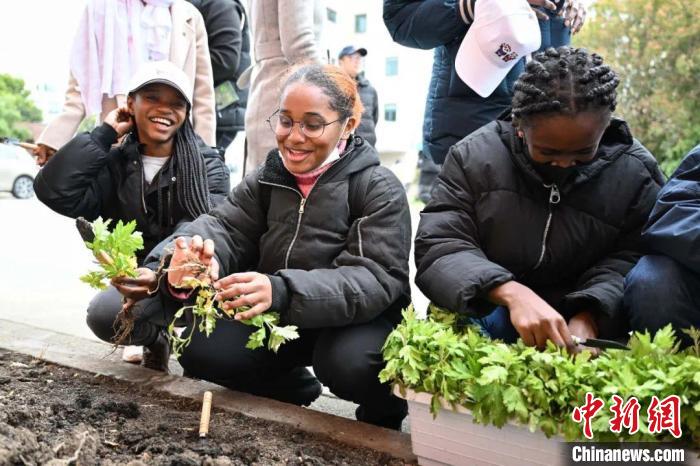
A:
(319, 233)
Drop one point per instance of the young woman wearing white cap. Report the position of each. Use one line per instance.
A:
(536, 219)
(160, 175)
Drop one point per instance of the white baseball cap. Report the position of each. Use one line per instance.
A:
(502, 33)
(163, 72)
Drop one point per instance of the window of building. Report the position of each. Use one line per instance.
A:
(389, 112)
(332, 15)
(360, 23)
(392, 66)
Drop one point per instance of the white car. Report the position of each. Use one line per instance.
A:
(17, 171)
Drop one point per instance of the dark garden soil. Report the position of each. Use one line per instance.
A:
(58, 416)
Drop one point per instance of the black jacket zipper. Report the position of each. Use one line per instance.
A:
(554, 199)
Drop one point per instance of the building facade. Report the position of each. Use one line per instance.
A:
(400, 75)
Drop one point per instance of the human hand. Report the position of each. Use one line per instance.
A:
(533, 319)
(245, 289)
(544, 4)
(574, 13)
(192, 261)
(139, 287)
(583, 326)
(121, 120)
(43, 154)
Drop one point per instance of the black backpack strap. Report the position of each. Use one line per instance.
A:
(357, 192)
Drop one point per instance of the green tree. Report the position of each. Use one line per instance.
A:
(654, 45)
(15, 106)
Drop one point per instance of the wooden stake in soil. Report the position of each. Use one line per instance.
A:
(206, 414)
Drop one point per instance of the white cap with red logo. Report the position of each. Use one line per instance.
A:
(502, 33)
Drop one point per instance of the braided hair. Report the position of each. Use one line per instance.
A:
(192, 187)
(564, 80)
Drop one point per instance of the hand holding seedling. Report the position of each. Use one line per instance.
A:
(249, 289)
(193, 261)
(115, 252)
(121, 120)
(245, 297)
(139, 287)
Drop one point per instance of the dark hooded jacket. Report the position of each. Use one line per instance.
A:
(89, 177)
(493, 219)
(370, 113)
(674, 225)
(453, 109)
(327, 269)
(229, 48)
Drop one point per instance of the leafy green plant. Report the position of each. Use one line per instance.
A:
(500, 383)
(114, 250)
(205, 313)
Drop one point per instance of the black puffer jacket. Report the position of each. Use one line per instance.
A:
(370, 114)
(90, 178)
(327, 269)
(492, 219)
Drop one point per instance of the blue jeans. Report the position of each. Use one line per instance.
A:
(659, 291)
(554, 33)
(497, 325)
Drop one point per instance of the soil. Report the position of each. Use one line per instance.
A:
(52, 415)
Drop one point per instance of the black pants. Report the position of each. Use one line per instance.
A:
(345, 359)
(149, 315)
(429, 172)
(224, 138)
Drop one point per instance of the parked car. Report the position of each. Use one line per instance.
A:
(17, 171)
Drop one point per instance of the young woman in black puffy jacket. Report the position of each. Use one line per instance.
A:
(536, 219)
(160, 175)
(320, 234)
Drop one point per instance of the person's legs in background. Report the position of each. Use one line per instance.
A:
(224, 139)
(428, 172)
(660, 291)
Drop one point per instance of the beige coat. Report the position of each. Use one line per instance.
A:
(285, 33)
(188, 49)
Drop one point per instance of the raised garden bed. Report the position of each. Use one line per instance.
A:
(452, 438)
(51, 414)
(524, 400)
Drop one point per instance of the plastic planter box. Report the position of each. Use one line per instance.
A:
(452, 438)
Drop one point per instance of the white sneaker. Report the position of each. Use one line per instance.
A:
(132, 354)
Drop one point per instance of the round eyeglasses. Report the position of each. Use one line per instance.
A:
(311, 127)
